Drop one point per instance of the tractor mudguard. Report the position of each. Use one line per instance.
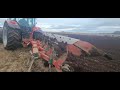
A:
(12, 24)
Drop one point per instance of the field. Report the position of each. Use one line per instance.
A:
(19, 60)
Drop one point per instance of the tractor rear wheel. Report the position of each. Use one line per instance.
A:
(11, 38)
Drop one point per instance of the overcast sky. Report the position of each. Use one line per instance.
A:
(83, 25)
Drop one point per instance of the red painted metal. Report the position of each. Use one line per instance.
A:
(85, 46)
(58, 63)
(74, 50)
(12, 22)
(26, 42)
(36, 28)
(49, 52)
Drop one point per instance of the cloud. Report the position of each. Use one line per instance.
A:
(93, 25)
(64, 26)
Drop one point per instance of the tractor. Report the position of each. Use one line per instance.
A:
(16, 30)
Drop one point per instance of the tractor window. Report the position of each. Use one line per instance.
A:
(31, 22)
(28, 22)
(23, 22)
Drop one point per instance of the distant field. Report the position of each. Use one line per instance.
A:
(90, 34)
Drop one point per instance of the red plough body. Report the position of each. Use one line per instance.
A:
(39, 50)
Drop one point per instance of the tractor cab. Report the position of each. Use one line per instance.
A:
(25, 22)
(26, 25)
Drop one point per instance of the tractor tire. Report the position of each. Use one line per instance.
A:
(11, 37)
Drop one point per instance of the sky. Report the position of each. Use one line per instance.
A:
(81, 25)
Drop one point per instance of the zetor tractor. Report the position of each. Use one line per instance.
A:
(16, 30)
